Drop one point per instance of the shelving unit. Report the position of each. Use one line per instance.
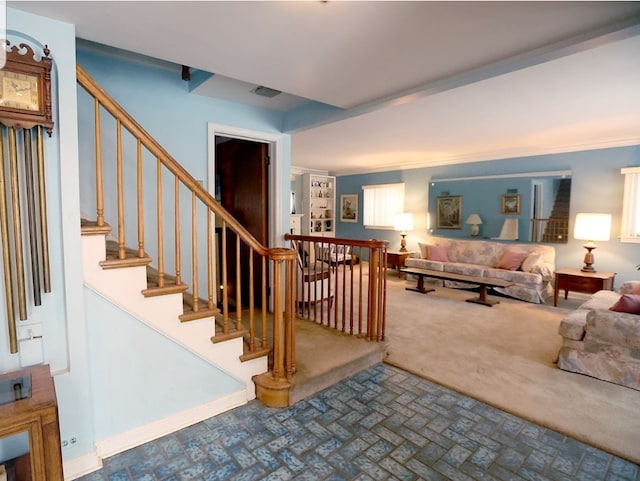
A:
(319, 205)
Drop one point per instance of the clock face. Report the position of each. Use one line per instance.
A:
(19, 90)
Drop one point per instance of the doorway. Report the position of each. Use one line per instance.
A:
(242, 187)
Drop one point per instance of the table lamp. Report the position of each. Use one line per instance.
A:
(403, 223)
(591, 227)
(474, 221)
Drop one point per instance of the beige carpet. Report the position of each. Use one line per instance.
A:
(504, 356)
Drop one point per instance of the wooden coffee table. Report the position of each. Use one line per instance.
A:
(483, 282)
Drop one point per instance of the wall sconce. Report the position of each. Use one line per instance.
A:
(474, 221)
(591, 227)
(403, 223)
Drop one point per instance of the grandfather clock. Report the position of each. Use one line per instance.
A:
(25, 110)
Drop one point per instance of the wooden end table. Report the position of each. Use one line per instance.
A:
(397, 258)
(36, 415)
(579, 281)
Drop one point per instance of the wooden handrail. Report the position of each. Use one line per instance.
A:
(271, 387)
(343, 299)
(163, 156)
(358, 304)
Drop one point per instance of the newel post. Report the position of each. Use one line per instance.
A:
(376, 305)
(372, 307)
(273, 387)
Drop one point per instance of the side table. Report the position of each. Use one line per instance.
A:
(579, 281)
(36, 414)
(397, 258)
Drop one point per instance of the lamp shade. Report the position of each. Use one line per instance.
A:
(474, 219)
(403, 222)
(592, 227)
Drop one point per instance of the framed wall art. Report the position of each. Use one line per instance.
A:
(449, 212)
(349, 208)
(510, 203)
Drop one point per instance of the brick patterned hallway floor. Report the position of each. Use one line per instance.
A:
(381, 424)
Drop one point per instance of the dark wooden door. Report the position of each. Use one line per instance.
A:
(242, 173)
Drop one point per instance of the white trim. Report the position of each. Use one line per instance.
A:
(630, 240)
(296, 170)
(491, 155)
(548, 173)
(77, 467)
(276, 155)
(143, 434)
(630, 170)
(380, 186)
(275, 173)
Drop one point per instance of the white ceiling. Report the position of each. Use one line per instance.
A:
(412, 83)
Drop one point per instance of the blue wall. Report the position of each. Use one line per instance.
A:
(596, 186)
(155, 95)
(109, 370)
(483, 196)
(133, 368)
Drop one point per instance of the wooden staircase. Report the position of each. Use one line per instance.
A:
(176, 279)
(124, 286)
(326, 357)
(557, 226)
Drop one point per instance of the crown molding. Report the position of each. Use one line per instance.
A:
(487, 156)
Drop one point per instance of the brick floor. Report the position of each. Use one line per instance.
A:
(381, 424)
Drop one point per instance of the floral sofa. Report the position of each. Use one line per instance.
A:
(530, 267)
(602, 337)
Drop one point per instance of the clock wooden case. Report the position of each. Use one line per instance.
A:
(25, 88)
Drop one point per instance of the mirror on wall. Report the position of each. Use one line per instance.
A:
(527, 207)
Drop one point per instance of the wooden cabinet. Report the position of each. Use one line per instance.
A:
(319, 205)
(36, 415)
(397, 258)
(578, 281)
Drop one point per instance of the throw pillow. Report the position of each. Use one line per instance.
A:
(512, 260)
(635, 289)
(530, 261)
(424, 253)
(438, 253)
(629, 303)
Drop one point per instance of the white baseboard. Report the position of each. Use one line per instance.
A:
(77, 467)
(81, 465)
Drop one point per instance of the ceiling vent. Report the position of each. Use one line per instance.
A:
(266, 92)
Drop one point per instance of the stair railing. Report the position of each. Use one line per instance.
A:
(219, 249)
(341, 284)
(551, 229)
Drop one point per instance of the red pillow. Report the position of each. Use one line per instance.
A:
(629, 303)
(512, 260)
(438, 253)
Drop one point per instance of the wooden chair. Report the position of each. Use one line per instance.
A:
(336, 254)
(314, 283)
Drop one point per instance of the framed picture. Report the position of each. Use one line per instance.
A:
(449, 212)
(510, 203)
(349, 208)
